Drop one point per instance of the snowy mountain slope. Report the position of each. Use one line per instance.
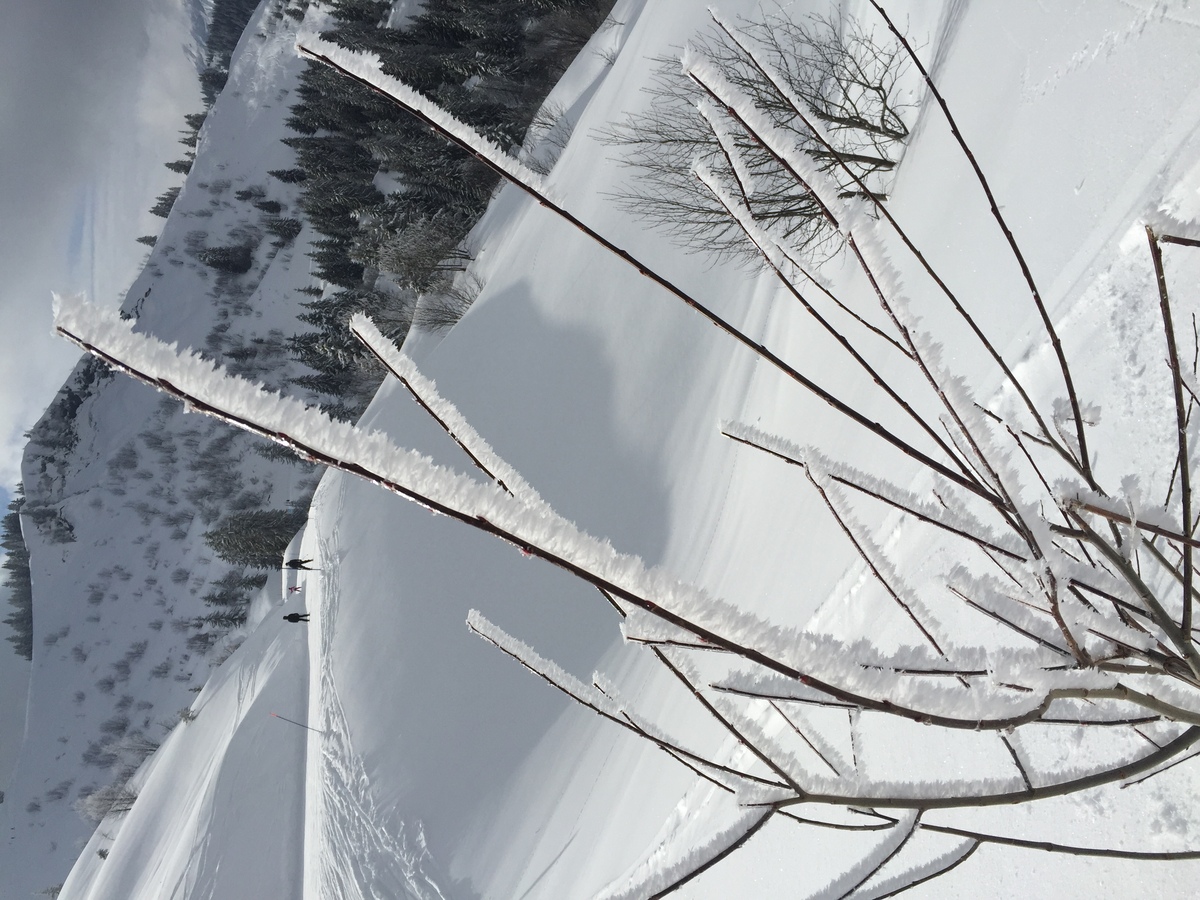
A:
(664, 384)
(438, 762)
(122, 488)
(195, 787)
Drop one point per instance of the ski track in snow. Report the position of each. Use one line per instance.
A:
(1112, 41)
(361, 855)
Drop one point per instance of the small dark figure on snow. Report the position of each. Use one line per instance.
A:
(299, 564)
(295, 589)
(296, 617)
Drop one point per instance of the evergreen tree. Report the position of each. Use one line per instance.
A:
(165, 201)
(234, 589)
(289, 176)
(212, 82)
(476, 59)
(17, 579)
(255, 539)
(287, 229)
(235, 260)
(224, 619)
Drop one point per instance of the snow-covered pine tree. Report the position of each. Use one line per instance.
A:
(17, 580)
(235, 260)
(255, 538)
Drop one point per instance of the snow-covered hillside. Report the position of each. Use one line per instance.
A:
(421, 762)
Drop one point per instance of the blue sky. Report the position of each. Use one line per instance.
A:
(93, 99)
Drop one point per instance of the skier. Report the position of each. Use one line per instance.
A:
(296, 617)
(295, 589)
(299, 564)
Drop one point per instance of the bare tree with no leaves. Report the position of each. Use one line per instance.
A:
(850, 80)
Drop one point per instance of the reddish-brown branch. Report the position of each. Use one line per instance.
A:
(878, 867)
(991, 613)
(1069, 849)
(869, 560)
(1139, 524)
(716, 858)
(811, 746)
(1083, 462)
(889, 501)
(478, 463)
(1176, 239)
(938, 873)
(1012, 751)
(1182, 459)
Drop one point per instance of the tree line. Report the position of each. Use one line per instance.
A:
(17, 579)
(229, 19)
(491, 63)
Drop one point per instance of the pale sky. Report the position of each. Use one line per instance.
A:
(92, 97)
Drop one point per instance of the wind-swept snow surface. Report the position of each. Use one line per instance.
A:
(439, 767)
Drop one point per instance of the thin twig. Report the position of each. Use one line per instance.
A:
(874, 329)
(1175, 239)
(888, 500)
(974, 604)
(399, 376)
(879, 381)
(805, 738)
(724, 721)
(1069, 849)
(875, 869)
(766, 695)
(949, 800)
(1183, 460)
(1173, 571)
(1083, 462)
(1012, 751)
(869, 560)
(1159, 771)
(1139, 524)
(837, 826)
(713, 860)
(967, 854)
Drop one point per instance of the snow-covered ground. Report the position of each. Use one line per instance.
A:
(435, 766)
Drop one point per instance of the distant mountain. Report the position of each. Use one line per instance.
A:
(132, 607)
